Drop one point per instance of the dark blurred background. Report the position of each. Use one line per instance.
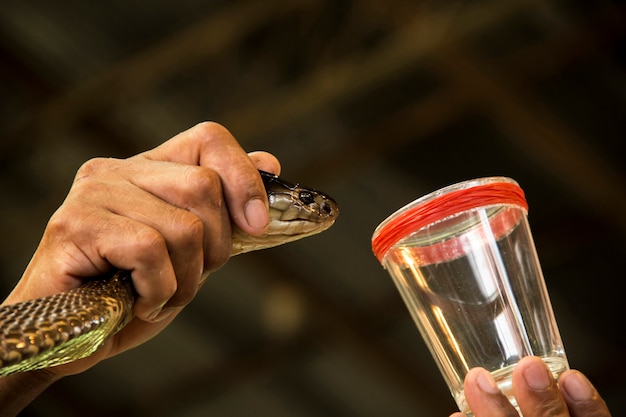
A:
(376, 103)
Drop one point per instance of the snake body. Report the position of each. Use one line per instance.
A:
(67, 326)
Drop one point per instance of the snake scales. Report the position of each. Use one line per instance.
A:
(64, 327)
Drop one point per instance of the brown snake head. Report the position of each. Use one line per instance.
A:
(296, 211)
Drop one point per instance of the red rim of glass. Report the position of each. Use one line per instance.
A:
(444, 203)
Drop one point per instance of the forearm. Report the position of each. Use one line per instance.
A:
(19, 390)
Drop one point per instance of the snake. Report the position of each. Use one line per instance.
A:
(67, 326)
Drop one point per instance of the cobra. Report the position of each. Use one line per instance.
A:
(64, 327)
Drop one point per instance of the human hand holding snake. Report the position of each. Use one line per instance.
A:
(170, 216)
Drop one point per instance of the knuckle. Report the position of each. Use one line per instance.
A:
(148, 244)
(68, 222)
(208, 129)
(194, 227)
(59, 224)
(550, 408)
(95, 177)
(204, 184)
(203, 179)
(92, 167)
(187, 230)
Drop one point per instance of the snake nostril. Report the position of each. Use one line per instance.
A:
(326, 208)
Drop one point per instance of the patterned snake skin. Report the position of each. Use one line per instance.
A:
(71, 325)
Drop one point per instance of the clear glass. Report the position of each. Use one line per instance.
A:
(473, 285)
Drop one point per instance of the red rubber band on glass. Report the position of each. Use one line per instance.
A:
(444, 206)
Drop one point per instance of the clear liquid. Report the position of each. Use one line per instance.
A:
(478, 298)
(503, 378)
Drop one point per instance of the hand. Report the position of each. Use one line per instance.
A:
(537, 393)
(165, 215)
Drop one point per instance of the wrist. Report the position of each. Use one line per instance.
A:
(20, 389)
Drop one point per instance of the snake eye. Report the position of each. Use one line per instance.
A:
(306, 197)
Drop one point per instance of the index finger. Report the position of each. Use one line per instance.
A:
(211, 145)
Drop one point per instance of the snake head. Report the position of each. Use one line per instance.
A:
(296, 211)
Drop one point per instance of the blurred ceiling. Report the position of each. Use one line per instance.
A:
(376, 103)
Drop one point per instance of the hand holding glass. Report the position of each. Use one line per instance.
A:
(465, 263)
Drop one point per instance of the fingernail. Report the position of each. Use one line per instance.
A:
(487, 383)
(256, 213)
(578, 387)
(154, 314)
(536, 376)
(163, 314)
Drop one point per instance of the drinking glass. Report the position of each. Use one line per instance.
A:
(465, 264)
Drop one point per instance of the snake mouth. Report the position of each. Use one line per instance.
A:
(282, 231)
(290, 230)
